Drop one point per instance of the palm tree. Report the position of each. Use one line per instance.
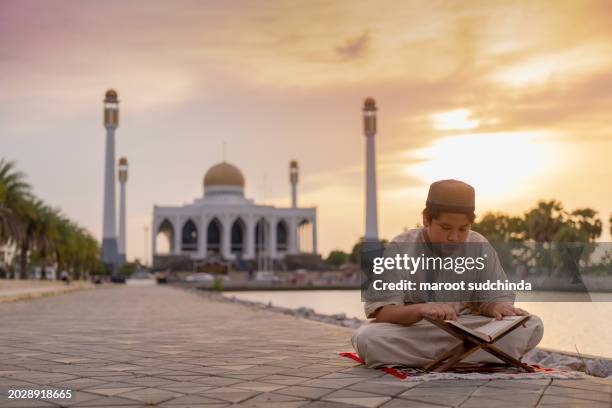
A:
(14, 194)
(65, 244)
(587, 222)
(41, 233)
(45, 234)
(28, 217)
(544, 221)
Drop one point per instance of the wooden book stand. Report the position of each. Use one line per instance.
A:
(468, 345)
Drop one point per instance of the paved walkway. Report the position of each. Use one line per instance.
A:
(155, 345)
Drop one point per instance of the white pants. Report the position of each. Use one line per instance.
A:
(382, 344)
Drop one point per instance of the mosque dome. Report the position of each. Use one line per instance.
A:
(224, 174)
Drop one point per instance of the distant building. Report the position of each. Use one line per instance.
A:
(223, 224)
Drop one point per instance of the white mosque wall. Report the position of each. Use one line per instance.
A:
(204, 211)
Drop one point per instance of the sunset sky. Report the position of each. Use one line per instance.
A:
(515, 99)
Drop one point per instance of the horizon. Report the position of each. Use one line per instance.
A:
(521, 114)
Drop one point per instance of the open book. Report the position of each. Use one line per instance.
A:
(491, 331)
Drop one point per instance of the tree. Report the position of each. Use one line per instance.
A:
(28, 215)
(544, 221)
(14, 194)
(355, 255)
(43, 235)
(337, 258)
(497, 227)
(587, 222)
(46, 234)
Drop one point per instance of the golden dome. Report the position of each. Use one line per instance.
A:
(111, 94)
(123, 161)
(224, 174)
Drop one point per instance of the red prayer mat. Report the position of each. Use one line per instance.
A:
(484, 368)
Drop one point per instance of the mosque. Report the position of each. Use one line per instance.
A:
(225, 225)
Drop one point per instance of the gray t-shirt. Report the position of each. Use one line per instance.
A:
(413, 241)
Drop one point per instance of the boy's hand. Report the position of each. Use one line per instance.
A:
(438, 311)
(500, 309)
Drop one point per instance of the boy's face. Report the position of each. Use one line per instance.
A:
(449, 227)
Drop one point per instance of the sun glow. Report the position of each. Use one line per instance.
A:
(498, 164)
(458, 119)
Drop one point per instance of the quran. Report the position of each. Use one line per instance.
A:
(491, 331)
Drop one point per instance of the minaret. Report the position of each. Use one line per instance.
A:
(109, 236)
(123, 175)
(369, 128)
(293, 179)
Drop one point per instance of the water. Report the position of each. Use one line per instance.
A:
(568, 326)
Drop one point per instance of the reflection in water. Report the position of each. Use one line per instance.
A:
(567, 325)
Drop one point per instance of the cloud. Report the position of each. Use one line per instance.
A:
(354, 48)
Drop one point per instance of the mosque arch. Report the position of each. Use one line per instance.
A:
(189, 236)
(164, 238)
(262, 235)
(304, 234)
(214, 233)
(238, 237)
(282, 236)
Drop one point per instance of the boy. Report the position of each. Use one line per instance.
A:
(398, 335)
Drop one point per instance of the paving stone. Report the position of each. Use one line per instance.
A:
(515, 385)
(362, 402)
(453, 383)
(110, 401)
(27, 404)
(482, 402)
(79, 383)
(150, 381)
(380, 388)
(230, 394)
(306, 392)
(441, 398)
(400, 403)
(569, 400)
(600, 385)
(213, 405)
(113, 391)
(283, 379)
(520, 398)
(78, 398)
(282, 404)
(578, 395)
(330, 404)
(270, 397)
(217, 381)
(115, 384)
(150, 396)
(334, 383)
(421, 390)
(258, 386)
(192, 400)
(186, 388)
